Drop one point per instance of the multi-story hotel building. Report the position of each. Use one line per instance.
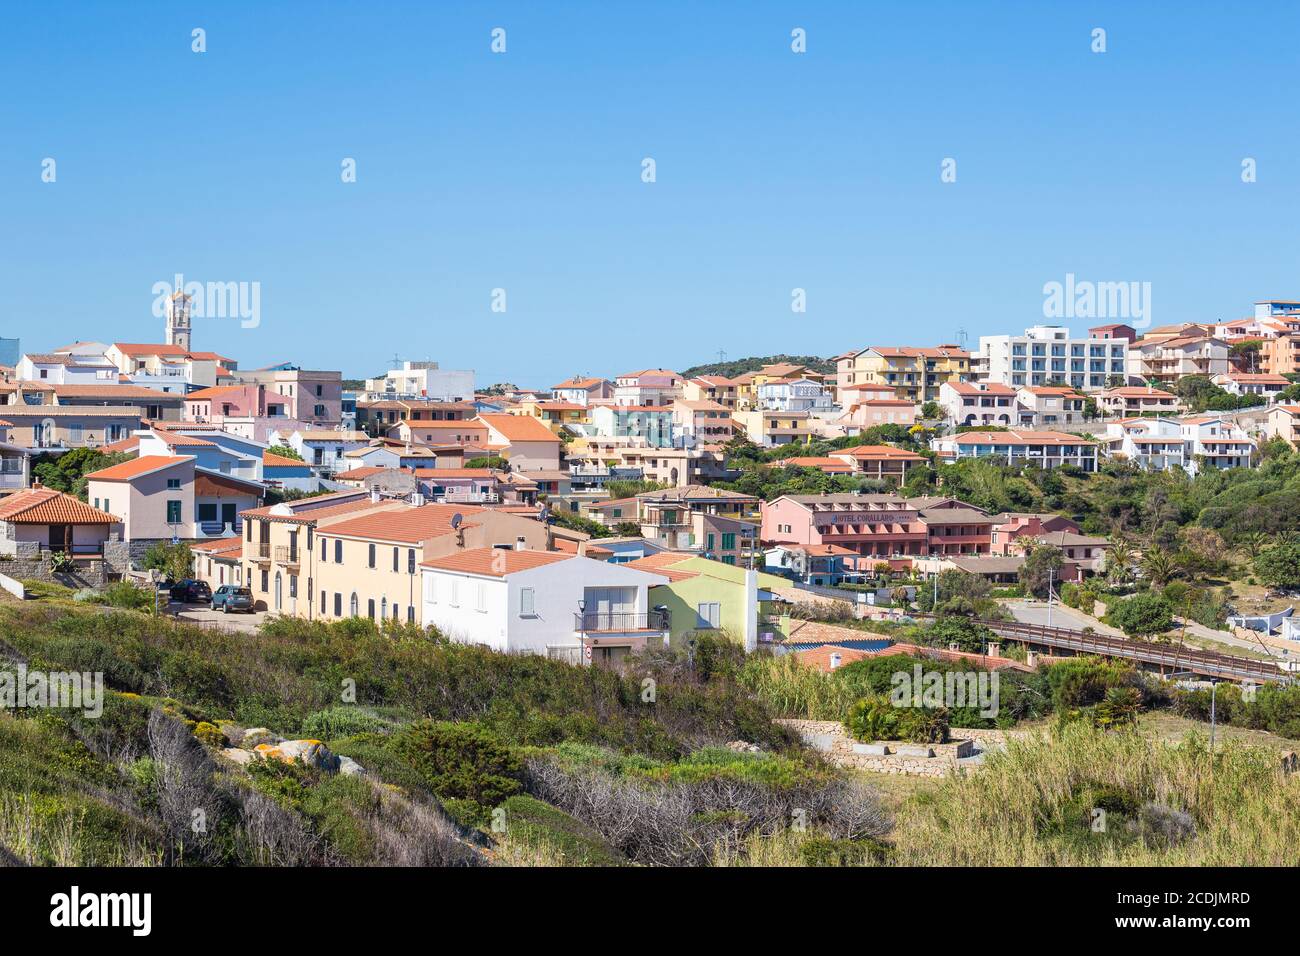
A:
(1046, 354)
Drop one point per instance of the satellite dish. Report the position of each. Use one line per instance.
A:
(456, 519)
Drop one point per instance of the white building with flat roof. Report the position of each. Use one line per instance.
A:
(422, 380)
(1049, 355)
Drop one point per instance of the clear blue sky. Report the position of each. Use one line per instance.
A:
(523, 171)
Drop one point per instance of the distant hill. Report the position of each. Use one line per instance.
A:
(740, 366)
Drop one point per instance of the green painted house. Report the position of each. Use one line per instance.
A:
(703, 594)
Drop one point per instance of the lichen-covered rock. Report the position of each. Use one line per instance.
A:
(240, 757)
(255, 736)
(313, 753)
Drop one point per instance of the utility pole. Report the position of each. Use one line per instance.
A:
(1051, 572)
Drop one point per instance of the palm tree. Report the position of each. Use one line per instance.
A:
(1159, 567)
(1252, 543)
(1119, 562)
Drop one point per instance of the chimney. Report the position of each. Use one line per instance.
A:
(835, 660)
(521, 543)
(995, 649)
(374, 493)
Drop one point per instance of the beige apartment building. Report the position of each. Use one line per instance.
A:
(368, 565)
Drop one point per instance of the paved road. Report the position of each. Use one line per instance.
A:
(202, 614)
(1035, 612)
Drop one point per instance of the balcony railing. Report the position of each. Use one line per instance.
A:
(620, 621)
(284, 554)
(262, 550)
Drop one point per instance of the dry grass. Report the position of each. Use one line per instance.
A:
(1031, 806)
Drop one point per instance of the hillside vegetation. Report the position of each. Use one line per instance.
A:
(734, 367)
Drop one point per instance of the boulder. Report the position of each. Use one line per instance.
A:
(350, 768)
(255, 736)
(313, 753)
(240, 757)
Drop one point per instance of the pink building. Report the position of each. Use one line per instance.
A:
(878, 526)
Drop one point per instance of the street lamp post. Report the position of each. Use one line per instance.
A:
(1051, 572)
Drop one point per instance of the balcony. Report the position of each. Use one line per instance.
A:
(619, 622)
(469, 497)
(286, 555)
(261, 550)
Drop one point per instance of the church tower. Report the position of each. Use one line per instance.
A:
(178, 320)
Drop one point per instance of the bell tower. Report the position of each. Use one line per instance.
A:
(178, 320)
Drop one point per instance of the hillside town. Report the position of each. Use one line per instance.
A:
(612, 511)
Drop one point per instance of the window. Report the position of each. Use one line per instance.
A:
(173, 512)
(480, 598)
(729, 541)
(370, 559)
(527, 602)
(322, 602)
(395, 550)
(173, 483)
(454, 601)
(338, 605)
(293, 585)
(338, 551)
(322, 550)
(383, 608)
(410, 561)
(208, 511)
(708, 546)
(266, 581)
(410, 614)
(353, 605)
(248, 530)
(709, 614)
(370, 609)
(431, 589)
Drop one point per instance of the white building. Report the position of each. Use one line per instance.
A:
(1046, 354)
(982, 403)
(650, 386)
(62, 369)
(422, 380)
(1155, 444)
(1214, 442)
(794, 395)
(543, 602)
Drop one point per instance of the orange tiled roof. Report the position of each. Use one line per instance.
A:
(495, 562)
(871, 452)
(273, 460)
(409, 525)
(47, 506)
(519, 428)
(136, 467)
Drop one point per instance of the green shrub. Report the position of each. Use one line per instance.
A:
(124, 594)
(334, 722)
(460, 761)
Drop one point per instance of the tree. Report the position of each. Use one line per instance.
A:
(1279, 566)
(67, 472)
(931, 410)
(1159, 567)
(488, 461)
(1042, 564)
(1142, 614)
(284, 451)
(173, 560)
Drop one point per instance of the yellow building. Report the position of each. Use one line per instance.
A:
(914, 374)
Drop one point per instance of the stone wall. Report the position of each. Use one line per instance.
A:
(895, 756)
